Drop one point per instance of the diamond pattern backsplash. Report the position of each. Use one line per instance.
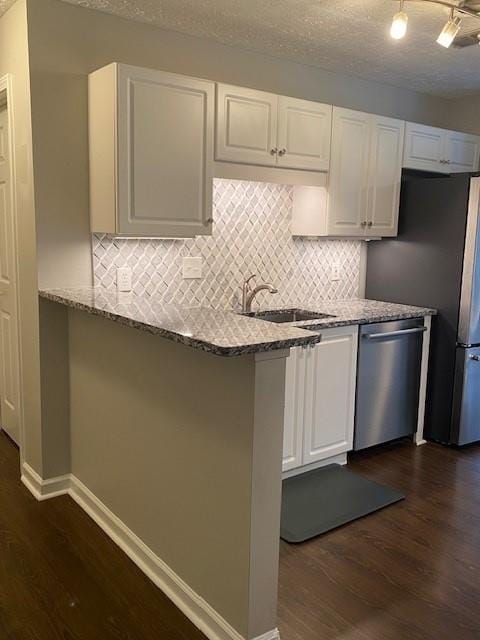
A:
(251, 235)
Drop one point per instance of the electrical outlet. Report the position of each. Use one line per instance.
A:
(192, 268)
(335, 275)
(124, 279)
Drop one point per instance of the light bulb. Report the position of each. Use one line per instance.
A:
(399, 25)
(449, 32)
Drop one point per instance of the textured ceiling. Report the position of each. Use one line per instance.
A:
(348, 36)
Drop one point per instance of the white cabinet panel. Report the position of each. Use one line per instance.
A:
(304, 134)
(330, 395)
(246, 127)
(294, 408)
(364, 182)
(461, 152)
(424, 148)
(320, 399)
(440, 150)
(386, 153)
(157, 180)
(347, 207)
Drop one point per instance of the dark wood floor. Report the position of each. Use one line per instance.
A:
(62, 578)
(409, 572)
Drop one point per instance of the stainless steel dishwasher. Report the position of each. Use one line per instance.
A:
(388, 381)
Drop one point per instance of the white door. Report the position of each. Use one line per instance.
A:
(424, 148)
(385, 175)
(330, 395)
(348, 185)
(461, 152)
(165, 153)
(294, 409)
(246, 126)
(9, 355)
(304, 134)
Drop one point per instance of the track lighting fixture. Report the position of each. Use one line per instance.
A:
(450, 30)
(399, 27)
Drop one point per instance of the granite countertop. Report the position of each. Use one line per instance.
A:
(357, 311)
(223, 333)
(226, 333)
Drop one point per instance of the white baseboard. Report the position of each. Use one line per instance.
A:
(341, 458)
(195, 608)
(44, 489)
(271, 635)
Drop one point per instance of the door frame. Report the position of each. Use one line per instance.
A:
(6, 88)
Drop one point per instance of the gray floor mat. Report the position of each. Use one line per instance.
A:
(318, 501)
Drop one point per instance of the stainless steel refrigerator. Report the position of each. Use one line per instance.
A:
(435, 262)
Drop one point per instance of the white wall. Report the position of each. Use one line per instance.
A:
(14, 61)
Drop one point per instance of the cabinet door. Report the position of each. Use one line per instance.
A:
(246, 127)
(424, 148)
(165, 153)
(347, 206)
(294, 409)
(330, 395)
(461, 152)
(385, 176)
(304, 134)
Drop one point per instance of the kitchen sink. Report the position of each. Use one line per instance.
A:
(287, 315)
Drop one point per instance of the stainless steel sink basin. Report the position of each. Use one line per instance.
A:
(287, 315)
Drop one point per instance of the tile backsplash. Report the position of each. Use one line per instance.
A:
(251, 235)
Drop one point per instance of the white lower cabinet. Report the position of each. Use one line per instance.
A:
(320, 399)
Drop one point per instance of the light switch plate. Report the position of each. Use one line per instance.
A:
(192, 268)
(124, 279)
(335, 275)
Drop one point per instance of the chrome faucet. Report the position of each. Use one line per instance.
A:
(248, 294)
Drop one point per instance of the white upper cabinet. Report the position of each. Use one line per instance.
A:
(304, 134)
(385, 176)
(348, 185)
(440, 150)
(462, 152)
(258, 128)
(364, 181)
(151, 152)
(246, 126)
(423, 148)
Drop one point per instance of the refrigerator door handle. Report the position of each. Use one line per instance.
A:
(393, 334)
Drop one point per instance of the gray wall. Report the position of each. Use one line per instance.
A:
(465, 114)
(151, 440)
(67, 42)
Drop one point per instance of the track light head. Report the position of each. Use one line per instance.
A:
(450, 31)
(399, 26)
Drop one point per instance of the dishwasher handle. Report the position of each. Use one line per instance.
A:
(394, 334)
